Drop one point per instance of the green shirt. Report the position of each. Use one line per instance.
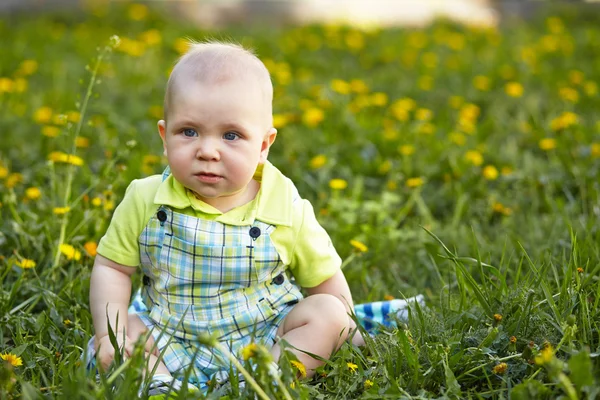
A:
(301, 242)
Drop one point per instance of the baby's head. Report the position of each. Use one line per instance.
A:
(218, 122)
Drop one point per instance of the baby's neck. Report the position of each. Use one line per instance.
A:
(229, 202)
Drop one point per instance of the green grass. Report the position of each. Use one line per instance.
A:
(488, 204)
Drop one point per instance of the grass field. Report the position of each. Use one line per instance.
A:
(458, 162)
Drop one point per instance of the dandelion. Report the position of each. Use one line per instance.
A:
(590, 88)
(313, 117)
(338, 184)
(474, 157)
(481, 83)
(514, 89)
(249, 351)
(457, 138)
(361, 247)
(137, 12)
(501, 209)
(33, 193)
(355, 40)
(358, 86)
(300, 367)
(27, 67)
(318, 161)
(563, 121)
(379, 99)
(513, 339)
(415, 182)
(151, 37)
(60, 157)
(13, 180)
(70, 252)
(181, 45)
(50, 131)
(490, 173)
(91, 248)
(12, 359)
(280, 120)
(352, 367)
(61, 210)
(67, 322)
(6, 85)
(25, 263)
(569, 94)
(82, 142)
(547, 144)
(427, 128)
(497, 317)
(423, 114)
(368, 384)
(42, 115)
(580, 270)
(500, 369)
(3, 171)
(340, 86)
(406, 149)
(96, 201)
(545, 356)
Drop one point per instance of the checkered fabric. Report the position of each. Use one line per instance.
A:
(204, 276)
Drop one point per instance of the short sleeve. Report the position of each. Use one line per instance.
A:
(313, 258)
(120, 242)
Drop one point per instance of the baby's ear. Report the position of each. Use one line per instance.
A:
(268, 140)
(162, 131)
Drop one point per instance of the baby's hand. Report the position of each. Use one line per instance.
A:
(105, 352)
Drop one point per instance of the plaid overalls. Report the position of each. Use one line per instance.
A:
(204, 276)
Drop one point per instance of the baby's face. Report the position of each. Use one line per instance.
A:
(215, 136)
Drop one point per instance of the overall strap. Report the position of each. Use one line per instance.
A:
(166, 173)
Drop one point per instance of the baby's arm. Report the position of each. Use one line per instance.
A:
(338, 286)
(110, 290)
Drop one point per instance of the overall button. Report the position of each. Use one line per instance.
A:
(278, 280)
(254, 232)
(161, 215)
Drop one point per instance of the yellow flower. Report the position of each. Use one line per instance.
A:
(12, 359)
(91, 247)
(3, 171)
(338, 184)
(406, 149)
(481, 83)
(358, 86)
(137, 12)
(13, 179)
(423, 114)
(340, 86)
(564, 121)
(33, 193)
(425, 83)
(474, 157)
(60, 157)
(359, 246)
(415, 182)
(590, 88)
(109, 205)
(352, 367)
(379, 99)
(580, 270)
(318, 161)
(280, 120)
(594, 150)
(500, 369)
(457, 138)
(6, 85)
(514, 89)
(569, 94)
(82, 142)
(249, 351)
(28, 67)
(355, 40)
(385, 167)
(313, 117)
(300, 367)
(151, 37)
(181, 45)
(547, 144)
(498, 317)
(134, 48)
(96, 201)
(513, 339)
(26, 263)
(490, 172)
(545, 356)
(501, 209)
(427, 128)
(368, 384)
(70, 252)
(61, 210)
(42, 115)
(20, 85)
(50, 131)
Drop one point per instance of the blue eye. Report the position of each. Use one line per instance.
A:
(190, 132)
(230, 136)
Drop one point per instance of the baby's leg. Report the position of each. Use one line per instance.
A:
(318, 324)
(138, 329)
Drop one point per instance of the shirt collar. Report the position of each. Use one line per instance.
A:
(273, 203)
